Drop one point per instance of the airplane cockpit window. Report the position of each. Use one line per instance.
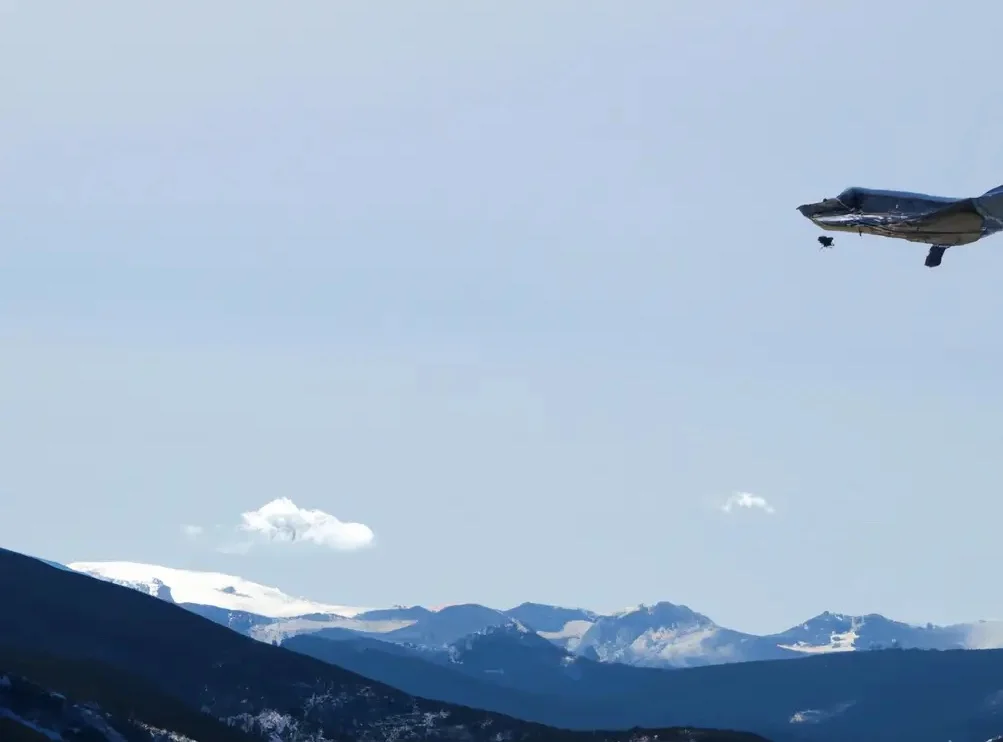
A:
(850, 198)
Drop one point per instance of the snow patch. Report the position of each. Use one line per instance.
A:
(673, 645)
(570, 630)
(283, 629)
(670, 645)
(209, 588)
(838, 642)
(814, 716)
(164, 734)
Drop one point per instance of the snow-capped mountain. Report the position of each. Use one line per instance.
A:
(668, 635)
(862, 696)
(661, 635)
(209, 588)
(837, 632)
(140, 652)
(87, 644)
(550, 618)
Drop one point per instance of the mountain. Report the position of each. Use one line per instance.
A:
(448, 625)
(117, 706)
(397, 613)
(562, 626)
(915, 695)
(433, 630)
(509, 655)
(549, 618)
(242, 621)
(30, 713)
(836, 632)
(669, 635)
(514, 657)
(504, 667)
(209, 588)
(431, 675)
(661, 635)
(262, 612)
(250, 686)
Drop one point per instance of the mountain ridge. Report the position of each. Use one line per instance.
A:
(209, 588)
(919, 695)
(248, 685)
(661, 634)
(311, 688)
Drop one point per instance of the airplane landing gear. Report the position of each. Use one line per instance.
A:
(935, 255)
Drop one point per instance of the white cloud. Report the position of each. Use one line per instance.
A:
(192, 532)
(748, 501)
(282, 521)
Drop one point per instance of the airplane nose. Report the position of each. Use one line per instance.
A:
(826, 206)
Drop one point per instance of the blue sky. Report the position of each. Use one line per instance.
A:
(519, 287)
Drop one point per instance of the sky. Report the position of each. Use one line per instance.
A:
(432, 303)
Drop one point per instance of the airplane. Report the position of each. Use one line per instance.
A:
(937, 221)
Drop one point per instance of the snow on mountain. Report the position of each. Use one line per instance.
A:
(827, 632)
(328, 626)
(838, 642)
(208, 588)
(564, 627)
(665, 635)
(661, 635)
(413, 626)
(569, 636)
(837, 632)
(550, 618)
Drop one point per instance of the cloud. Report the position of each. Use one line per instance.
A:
(748, 501)
(282, 521)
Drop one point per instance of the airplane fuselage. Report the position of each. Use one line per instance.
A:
(938, 221)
